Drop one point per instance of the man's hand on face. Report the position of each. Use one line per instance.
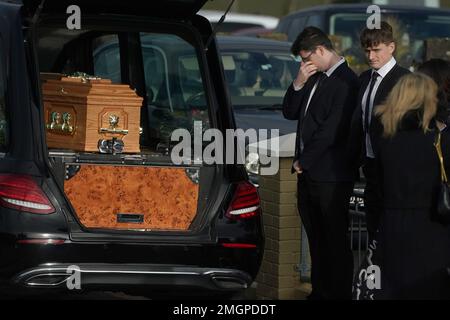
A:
(306, 70)
(297, 167)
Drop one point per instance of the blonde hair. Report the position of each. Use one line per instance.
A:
(415, 91)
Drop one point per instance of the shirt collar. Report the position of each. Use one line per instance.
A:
(333, 68)
(384, 70)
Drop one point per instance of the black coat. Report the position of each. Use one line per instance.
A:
(357, 141)
(443, 111)
(408, 165)
(325, 126)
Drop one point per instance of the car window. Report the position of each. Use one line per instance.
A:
(257, 78)
(3, 115)
(410, 30)
(314, 20)
(60, 51)
(284, 24)
(107, 58)
(297, 25)
(175, 86)
(229, 27)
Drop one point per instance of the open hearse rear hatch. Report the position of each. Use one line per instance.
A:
(113, 93)
(147, 8)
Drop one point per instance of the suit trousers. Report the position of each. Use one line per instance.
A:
(323, 209)
(372, 198)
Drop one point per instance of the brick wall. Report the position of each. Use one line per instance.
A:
(279, 277)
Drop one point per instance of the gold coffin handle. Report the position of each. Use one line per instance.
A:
(55, 126)
(63, 91)
(113, 123)
(114, 131)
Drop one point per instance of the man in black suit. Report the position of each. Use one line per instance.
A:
(375, 85)
(322, 98)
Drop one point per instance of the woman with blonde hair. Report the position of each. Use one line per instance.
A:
(412, 250)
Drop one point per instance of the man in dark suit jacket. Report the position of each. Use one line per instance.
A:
(322, 99)
(375, 85)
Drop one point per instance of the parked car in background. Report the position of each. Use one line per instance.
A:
(258, 73)
(136, 221)
(412, 26)
(252, 32)
(236, 21)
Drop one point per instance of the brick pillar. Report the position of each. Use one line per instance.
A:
(278, 277)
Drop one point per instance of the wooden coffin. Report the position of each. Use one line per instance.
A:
(80, 112)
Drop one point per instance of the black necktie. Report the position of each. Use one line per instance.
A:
(320, 78)
(373, 80)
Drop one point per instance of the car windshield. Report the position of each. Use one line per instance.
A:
(410, 30)
(258, 78)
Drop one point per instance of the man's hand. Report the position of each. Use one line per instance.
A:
(297, 167)
(306, 70)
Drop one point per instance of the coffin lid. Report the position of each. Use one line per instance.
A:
(92, 91)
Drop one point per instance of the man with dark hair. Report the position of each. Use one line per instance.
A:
(375, 85)
(322, 99)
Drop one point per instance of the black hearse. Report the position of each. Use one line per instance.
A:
(48, 234)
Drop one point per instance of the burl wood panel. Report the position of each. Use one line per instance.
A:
(166, 197)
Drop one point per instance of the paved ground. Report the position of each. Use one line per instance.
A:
(96, 295)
